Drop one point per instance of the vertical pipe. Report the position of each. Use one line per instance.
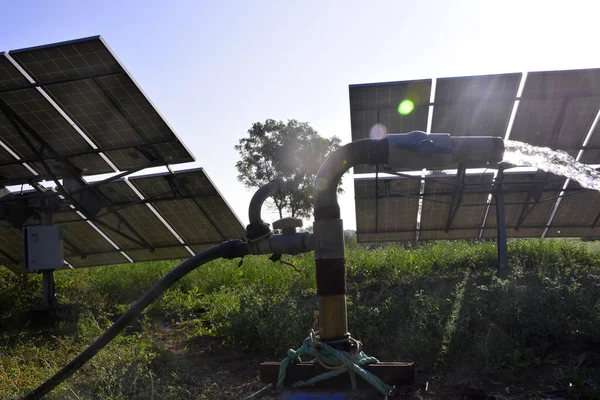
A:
(330, 257)
(501, 225)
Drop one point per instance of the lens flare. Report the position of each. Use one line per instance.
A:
(378, 131)
(406, 107)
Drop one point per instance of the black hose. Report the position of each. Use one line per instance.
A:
(230, 249)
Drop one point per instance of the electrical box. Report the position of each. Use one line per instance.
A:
(43, 248)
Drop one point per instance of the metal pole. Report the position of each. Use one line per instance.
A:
(501, 223)
(48, 287)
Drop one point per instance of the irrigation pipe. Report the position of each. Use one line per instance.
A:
(230, 249)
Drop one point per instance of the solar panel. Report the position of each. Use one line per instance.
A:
(557, 108)
(10, 77)
(375, 106)
(89, 85)
(389, 213)
(468, 216)
(577, 214)
(41, 116)
(517, 188)
(475, 105)
(104, 101)
(11, 247)
(196, 196)
(187, 200)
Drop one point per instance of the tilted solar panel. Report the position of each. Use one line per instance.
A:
(104, 101)
(187, 200)
(475, 105)
(557, 108)
(519, 190)
(390, 215)
(469, 207)
(577, 214)
(374, 110)
(10, 77)
(11, 247)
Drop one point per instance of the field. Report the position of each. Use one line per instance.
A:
(535, 334)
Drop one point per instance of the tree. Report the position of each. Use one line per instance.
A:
(293, 151)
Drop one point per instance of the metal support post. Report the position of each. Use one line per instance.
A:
(500, 220)
(48, 287)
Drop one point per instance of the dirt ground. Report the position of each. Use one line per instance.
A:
(206, 369)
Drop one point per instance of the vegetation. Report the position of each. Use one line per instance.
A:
(292, 151)
(440, 304)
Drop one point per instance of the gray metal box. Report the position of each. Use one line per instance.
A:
(43, 248)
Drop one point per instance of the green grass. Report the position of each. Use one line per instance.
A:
(440, 305)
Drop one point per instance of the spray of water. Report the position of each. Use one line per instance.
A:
(556, 162)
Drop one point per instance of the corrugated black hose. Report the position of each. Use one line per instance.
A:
(230, 249)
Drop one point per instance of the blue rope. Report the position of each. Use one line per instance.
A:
(338, 361)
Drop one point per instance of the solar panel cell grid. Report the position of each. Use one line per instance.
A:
(11, 245)
(474, 106)
(395, 213)
(118, 192)
(378, 104)
(75, 59)
(557, 109)
(148, 225)
(10, 76)
(44, 119)
(81, 237)
(185, 217)
(102, 100)
(578, 209)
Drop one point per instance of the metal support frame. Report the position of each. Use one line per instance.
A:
(501, 224)
(19, 123)
(457, 193)
(48, 287)
(376, 197)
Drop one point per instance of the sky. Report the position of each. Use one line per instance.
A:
(213, 68)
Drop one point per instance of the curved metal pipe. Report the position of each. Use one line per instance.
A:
(229, 249)
(330, 256)
(365, 151)
(259, 198)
